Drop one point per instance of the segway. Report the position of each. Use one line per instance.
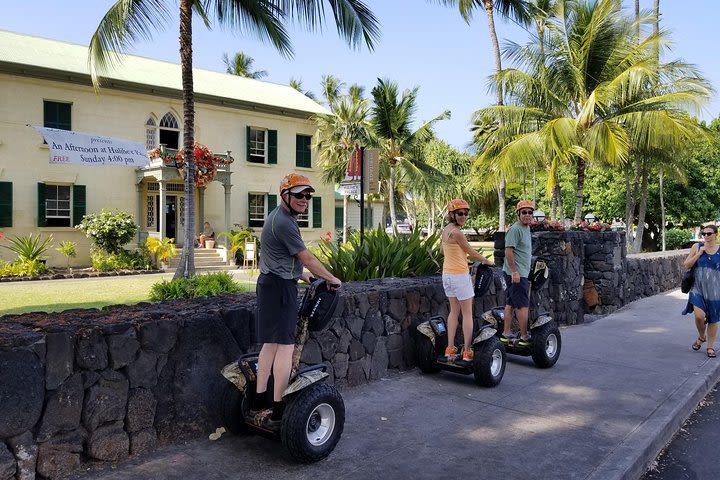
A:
(488, 364)
(314, 415)
(545, 339)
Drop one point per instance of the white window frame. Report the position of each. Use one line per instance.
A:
(54, 204)
(255, 146)
(173, 127)
(263, 213)
(305, 219)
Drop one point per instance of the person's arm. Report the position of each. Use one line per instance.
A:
(510, 257)
(465, 245)
(317, 268)
(695, 252)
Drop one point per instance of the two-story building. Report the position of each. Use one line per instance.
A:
(266, 128)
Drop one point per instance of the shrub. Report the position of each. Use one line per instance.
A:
(29, 248)
(109, 230)
(22, 268)
(676, 238)
(382, 255)
(208, 285)
(163, 250)
(237, 239)
(122, 260)
(67, 249)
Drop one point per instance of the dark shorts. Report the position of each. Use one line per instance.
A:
(277, 309)
(517, 295)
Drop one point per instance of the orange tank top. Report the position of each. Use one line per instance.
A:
(455, 258)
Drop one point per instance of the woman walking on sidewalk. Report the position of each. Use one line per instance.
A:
(704, 297)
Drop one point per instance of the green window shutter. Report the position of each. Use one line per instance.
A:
(6, 204)
(247, 150)
(302, 150)
(248, 207)
(338, 217)
(272, 202)
(317, 212)
(272, 147)
(79, 205)
(41, 205)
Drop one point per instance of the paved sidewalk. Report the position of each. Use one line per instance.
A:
(622, 387)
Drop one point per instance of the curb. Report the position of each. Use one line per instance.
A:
(630, 459)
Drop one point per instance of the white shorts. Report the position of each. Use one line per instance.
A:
(458, 285)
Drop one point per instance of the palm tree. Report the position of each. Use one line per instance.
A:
(241, 65)
(600, 97)
(127, 21)
(331, 88)
(392, 117)
(297, 85)
(516, 10)
(337, 136)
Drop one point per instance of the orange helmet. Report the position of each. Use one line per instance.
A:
(294, 180)
(524, 204)
(457, 204)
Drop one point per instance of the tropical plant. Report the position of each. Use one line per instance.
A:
(400, 146)
(122, 260)
(207, 285)
(161, 249)
(381, 255)
(68, 249)
(298, 85)
(30, 247)
(241, 65)
(599, 98)
(237, 239)
(109, 230)
(677, 238)
(20, 268)
(126, 22)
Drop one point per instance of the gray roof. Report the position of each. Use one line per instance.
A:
(41, 57)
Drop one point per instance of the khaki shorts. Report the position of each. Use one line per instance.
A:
(458, 285)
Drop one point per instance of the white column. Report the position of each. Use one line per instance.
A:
(227, 187)
(163, 206)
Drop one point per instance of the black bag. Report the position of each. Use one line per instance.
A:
(482, 278)
(688, 279)
(319, 305)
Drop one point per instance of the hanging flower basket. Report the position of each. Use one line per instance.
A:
(206, 163)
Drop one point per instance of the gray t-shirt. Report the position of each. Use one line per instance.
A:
(520, 240)
(281, 242)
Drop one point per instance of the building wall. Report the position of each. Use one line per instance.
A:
(24, 159)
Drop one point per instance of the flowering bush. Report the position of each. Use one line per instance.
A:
(206, 162)
(109, 230)
(590, 226)
(546, 225)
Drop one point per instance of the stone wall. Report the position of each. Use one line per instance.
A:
(102, 385)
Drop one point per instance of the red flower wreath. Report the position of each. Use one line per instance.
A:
(205, 160)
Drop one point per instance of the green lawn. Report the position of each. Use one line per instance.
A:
(58, 295)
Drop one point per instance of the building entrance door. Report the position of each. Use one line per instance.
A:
(171, 217)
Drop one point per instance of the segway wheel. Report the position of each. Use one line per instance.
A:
(313, 423)
(546, 345)
(489, 362)
(426, 355)
(232, 409)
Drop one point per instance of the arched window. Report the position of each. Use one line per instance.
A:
(150, 134)
(169, 131)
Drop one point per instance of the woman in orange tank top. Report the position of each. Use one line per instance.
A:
(456, 277)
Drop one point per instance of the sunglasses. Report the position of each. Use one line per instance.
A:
(707, 234)
(300, 195)
(462, 213)
(526, 212)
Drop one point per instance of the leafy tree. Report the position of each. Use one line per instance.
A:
(127, 21)
(297, 85)
(241, 65)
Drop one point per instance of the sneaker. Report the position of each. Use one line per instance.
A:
(524, 342)
(508, 339)
(451, 352)
(468, 355)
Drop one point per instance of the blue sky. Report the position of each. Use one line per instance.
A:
(423, 44)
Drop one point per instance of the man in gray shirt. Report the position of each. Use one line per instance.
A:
(518, 252)
(281, 264)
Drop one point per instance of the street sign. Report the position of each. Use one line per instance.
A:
(350, 188)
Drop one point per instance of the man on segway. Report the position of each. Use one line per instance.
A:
(281, 264)
(516, 266)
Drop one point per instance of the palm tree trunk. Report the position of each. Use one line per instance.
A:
(391, 198)
(637, 243)
(499, 100)
(431, 218)
(580, 187)
(662, 212)
(186, 267)
(558, 201)
(631, 197)
(345, 218)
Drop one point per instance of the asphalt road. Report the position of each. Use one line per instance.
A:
(693, 452)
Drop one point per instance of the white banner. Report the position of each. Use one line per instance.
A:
(73, 148)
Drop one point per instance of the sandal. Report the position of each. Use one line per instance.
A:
(698, 344)
(711, 352)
